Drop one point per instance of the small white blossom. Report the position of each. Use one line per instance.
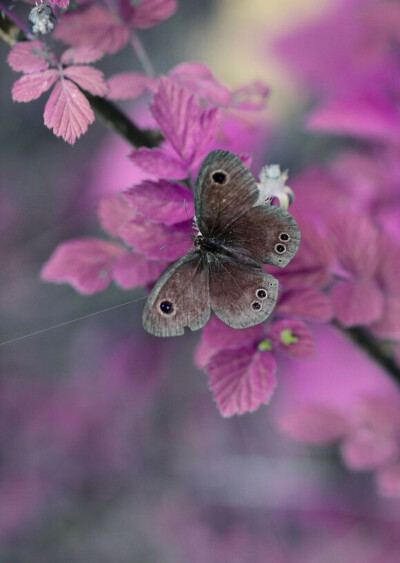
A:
(273, 185)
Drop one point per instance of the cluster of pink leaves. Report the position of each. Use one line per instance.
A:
(349, 211)
(67, 111)
(93, 30)
(349, 58)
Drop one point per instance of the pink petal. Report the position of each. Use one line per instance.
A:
(133, 270)
(241, 380)
(305, 302)
(304, 346)
(94, 27)
(162, 202)
(29, 56)
(81, 55)
(68, 112)
(31, 86)
(88, 78)
(86, 264)
(388, 480)
(314, 424)
(355, 241)
(388, 272)
(129, 85)
(219, 336)
(367, 115)
(189, 128)
(152, 12)
(357, 302)
(156, 241)
(60, 3)
(252, 96)
(159, 162)
(203, 354)
(388, 326)
(199, 79)
(113, 213)
(366, 450)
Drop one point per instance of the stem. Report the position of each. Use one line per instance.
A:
(141, 54)
(116, 120)
(18, 23)
(373, 348)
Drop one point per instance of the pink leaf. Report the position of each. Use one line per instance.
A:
(388, 326)
(365, 449)
(113, 213)
(218, 335)
(95, 27)
(81, 55)
(156, 241)
(162, 202)
(28, 56)
(357, 302)
(305, 302)
(241, 380)
(251, 96)
(129, 85)
(86, 264)
(68, 112)
(189, 128)
(199, 79)
(160, 163)
(367, 115)
(151, 12)
(88, 78)
(31, 86)
(133, 270)
(294, 338)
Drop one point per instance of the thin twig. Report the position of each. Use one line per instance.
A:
(373, 348)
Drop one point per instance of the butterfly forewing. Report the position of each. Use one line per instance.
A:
(225, 190)
(266, 233)
(180, 298)
(241, 296)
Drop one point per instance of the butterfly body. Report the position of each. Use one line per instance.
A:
(224, 272)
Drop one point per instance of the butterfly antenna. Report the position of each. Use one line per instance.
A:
(71, 321)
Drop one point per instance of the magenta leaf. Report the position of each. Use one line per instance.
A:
(218, 335)
(294, 338)
(86, 264)
(133, 270)
(367, 449)
(88, 78)
(199, 79)
(151, 12)
(129, 85)
(189, 128)
(68, 112)
(113, 213)
(160, 163)
(162, 201)
(30, 86)
(81, 55)
(251, 97)
(305, 302)
(28, 56)
(95, 27)
(241, 380)
(156, 241)
(358, 302)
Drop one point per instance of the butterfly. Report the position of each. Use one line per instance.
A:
(224, 271)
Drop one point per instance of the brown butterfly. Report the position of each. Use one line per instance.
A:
(224, 272)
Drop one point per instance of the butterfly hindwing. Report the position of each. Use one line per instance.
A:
(266, 233)
(241, 296)
(225, 189)
(180, 298)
